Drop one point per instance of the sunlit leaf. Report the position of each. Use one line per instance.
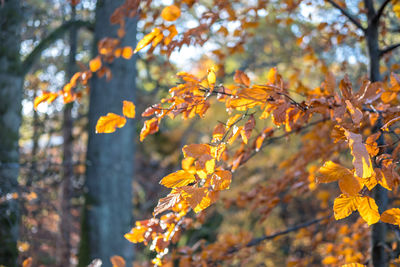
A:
(178, 179)
(361, 160)
(368, 210)
(128, 109)
(391, 216)
(109, 123)
(171, 13)
(48, 97)
(345, 205)
(95, 64)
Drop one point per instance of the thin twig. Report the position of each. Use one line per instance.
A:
(381, 10)
(347, 14)
(388, 49)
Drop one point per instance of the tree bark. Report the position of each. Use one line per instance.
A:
(68, 167)
(10, 119)
(378, 232)
(108, 209)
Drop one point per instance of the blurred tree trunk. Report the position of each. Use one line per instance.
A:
(10, 119)
(68, 168)
(108, 209)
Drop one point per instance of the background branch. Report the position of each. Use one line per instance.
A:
(344, 12)
(388, 49)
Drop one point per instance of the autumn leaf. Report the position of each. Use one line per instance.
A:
(344, 205)
(117, 261)
(368, 210)
(149, 127)
(127, 52)
(330, 260)
(108, 123)
(356, 114)
(198, 198)
(167, 203)
(95, 64)
(221, 180)
(171, 13)
(218, 132)
(136, 235)
(196, 150)
(353, 265)
(211, 77)
(361, 160)
(178, 179)
(372, 145)
(331, 172)
(391, 216)
(147, 39)
(241, 78)
(27, 262)
(48, 97)
(128, 109)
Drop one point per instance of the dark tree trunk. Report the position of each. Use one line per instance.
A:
(10, 119)
(378, 232)
(108, 208)
(68, 168)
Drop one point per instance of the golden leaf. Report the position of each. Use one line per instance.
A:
(147, 39)
(128, 109)
(127, 52)
(353, 265)
(49, 97)
(149, 127)
(95, 64)
(331, 172)
(117, 261)
(241, 78)
(178, 179)
(108, 123)
(368, 210)
(344, 206)
(198, 198)
(196, 150)
(391, 216)
(221, 180)
(136, 235)
(171, 13)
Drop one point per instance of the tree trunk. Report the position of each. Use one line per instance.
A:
(10, 119)
(108, 208)
(378, 232)
(68, 168)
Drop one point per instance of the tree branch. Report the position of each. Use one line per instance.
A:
(344, 12)
(381, 10)
(388, 49)
(51, 38)
(258, 240)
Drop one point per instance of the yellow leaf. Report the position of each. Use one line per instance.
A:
(329, 260)
(49, 97)
(147, 39)
(353, 265)
(95, 64)
(331, 172)
(211, 77)
(127, 52)
(128, 109)
(117, 261)
(361, 160)
(350, 185)
(149, 127)
(391, 216)
(136, 235)
(368, 210)
(27, 262)
(108, 123)
(344, 206)
(178, 179)
(171, 13)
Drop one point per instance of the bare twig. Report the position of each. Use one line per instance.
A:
(388, 49)
(344, 12)
(381, 10)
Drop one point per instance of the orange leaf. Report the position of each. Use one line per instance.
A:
(221, 180)
(149, 127)
(27, 262)
(128, 109)
(49, 97)
(108, 123)
(171, 13)
(331, 172)
(95, 64)
(391, 216)
(127, 52)
(356, 114)
(198, 198)
(218, 132)
(117, 261)
(354, 265)
(178, 179)
(136, 235)
(167, 203)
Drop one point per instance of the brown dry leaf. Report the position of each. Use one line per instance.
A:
(221, 180)
(218, 132)
(117, 261)
(361, 160)
(356, 114)
(171, 13)
(128, 109)
(372, 145)
(108, 123)
(198, 198)
(178, 179)
(167, 203)
(196, 150)
(241, 78)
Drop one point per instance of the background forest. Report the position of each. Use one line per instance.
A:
(70, 190)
